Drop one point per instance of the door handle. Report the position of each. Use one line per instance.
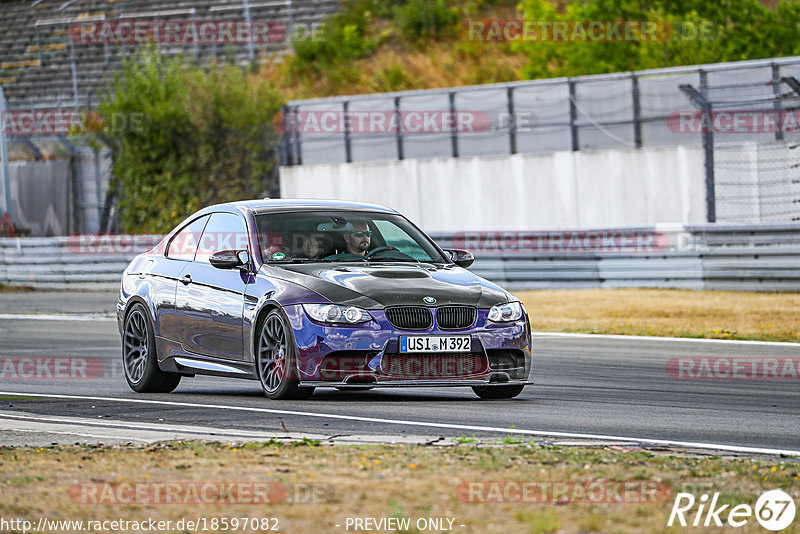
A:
(186, 279)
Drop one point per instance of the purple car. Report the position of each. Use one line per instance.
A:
(300, 294)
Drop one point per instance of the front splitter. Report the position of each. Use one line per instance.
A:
(409, 383)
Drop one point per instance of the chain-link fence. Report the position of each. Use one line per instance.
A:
(757, 182)
(749, 131)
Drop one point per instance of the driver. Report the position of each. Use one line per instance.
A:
(358, 239)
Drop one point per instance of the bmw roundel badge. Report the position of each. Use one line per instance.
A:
(429, 300)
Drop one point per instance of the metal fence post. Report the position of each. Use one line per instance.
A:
(512, 129)
(74, 71)
(284, 155)
(4, 156)
(195, 46)
(250, 49)
(573, 116)
(637, 112)
(399, 131)
(708, 147)
(454, 137)
(348, 150)
(291, 22)
(39, 45)
(297, 142)
(776, 90)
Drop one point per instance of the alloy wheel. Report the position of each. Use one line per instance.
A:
(136, 346)
(272, 353)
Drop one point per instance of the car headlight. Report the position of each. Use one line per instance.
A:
(333, 313)
(502, 313)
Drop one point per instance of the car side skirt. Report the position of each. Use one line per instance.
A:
(197, 365)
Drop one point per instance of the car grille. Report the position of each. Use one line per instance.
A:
(410, 317)
(455, 317)
(431, 366)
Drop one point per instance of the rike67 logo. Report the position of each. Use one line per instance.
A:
(774, 510)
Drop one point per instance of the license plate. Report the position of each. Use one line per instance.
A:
(434, 344)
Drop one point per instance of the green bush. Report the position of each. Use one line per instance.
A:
(739, 30)
(186, 137)
(418, 19)
(344, 37)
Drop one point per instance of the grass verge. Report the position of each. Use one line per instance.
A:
(666, 312)
(384, 481)
(4, 288)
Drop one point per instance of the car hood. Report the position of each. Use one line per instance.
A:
(379, 285)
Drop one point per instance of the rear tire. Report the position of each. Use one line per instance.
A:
(497, 392)
(276, 360)
(139, 357)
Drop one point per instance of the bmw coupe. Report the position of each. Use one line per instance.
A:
(300, 294)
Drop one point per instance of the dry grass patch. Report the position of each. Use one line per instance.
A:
(672, 313)
(4, 288)
(382, 481)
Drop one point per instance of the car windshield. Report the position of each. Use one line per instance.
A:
(325, 236)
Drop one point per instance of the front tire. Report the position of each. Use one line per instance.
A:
(497, 392)
(139, 357)
(276, 361)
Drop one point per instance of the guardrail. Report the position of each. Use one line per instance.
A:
(745, 257)
(762, 257)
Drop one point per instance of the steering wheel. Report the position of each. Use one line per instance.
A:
(375, 251)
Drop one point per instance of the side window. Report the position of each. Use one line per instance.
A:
(183, 245)
(225, 231)
(398, 238)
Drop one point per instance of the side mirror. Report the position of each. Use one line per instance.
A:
(462, 258)
(230, 259)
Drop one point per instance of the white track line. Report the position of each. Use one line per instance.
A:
(658, 338)
(472, 428)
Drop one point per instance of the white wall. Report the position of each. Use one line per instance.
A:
(585, 189)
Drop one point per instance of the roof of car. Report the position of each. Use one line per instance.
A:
(268, 204)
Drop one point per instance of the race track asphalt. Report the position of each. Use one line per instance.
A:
(584, 385)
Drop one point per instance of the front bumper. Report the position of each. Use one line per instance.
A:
(359, 356)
